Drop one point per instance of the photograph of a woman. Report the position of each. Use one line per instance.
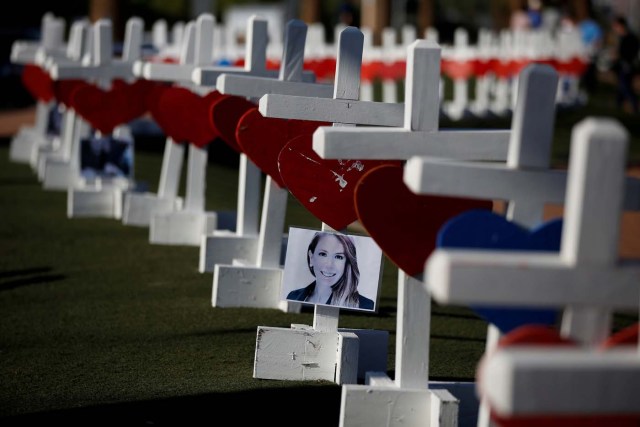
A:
(334, 273)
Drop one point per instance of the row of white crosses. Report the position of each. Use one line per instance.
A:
(36, 146)
(257, 284)
(52, 43)
(246, 244)
(140, 207)
(99, 196)
(407, 398)
(525, 128)
(536, 104)
(191, 225)
(52, 162)
(493, 94)
(173, 220)
(376, 141)
(255, 279)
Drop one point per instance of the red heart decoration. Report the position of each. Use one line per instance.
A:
(325, 187)
(106, 109)
(404, 224)
(184, 115)
(153, 103)
(501, 68)
(225, 116)
(38, 82)
(64, 90)
(457, 70)
(481, 67)
(262, 138)
(164, 113)
(626, 336)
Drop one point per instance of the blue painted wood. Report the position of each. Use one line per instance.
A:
(481, 229)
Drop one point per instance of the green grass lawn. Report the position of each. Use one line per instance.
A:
(101, 327)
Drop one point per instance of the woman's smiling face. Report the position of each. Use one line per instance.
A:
(328, 260)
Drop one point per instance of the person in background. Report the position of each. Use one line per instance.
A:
(332, 260)
(625, 63)
(593, 38)
(534, 12)
(519, 20)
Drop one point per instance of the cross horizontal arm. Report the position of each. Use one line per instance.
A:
(484, 181)
(255, 87)
(402, 144)
(534, 279)
(112, 70)
(167, 72)
(332, 110)
(561, 381)
(208, 76)
(425, 175)
(23, 52)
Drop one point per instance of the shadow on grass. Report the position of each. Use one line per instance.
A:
(295, 406)
(25, 272)
(36, 276)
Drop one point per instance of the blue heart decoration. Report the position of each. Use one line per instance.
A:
(481, 229)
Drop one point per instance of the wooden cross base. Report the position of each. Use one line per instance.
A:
(55, 173)
(381, 399)
(303, 353)
(97, 200)
(249, 286)
(186, 227)
(30, 138)
(139, 208)
(40, 151)
(224, 246)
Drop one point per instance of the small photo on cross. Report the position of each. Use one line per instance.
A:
(332, 268)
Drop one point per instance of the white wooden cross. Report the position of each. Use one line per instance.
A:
(140, 207)
(246, 221)
(189, 225)
(30, 138)
(408, 397)
(247, 269)
(323, 350)
(52, 164)
(586, 275)
(51, 43)
(100, 197)
(222, 247)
